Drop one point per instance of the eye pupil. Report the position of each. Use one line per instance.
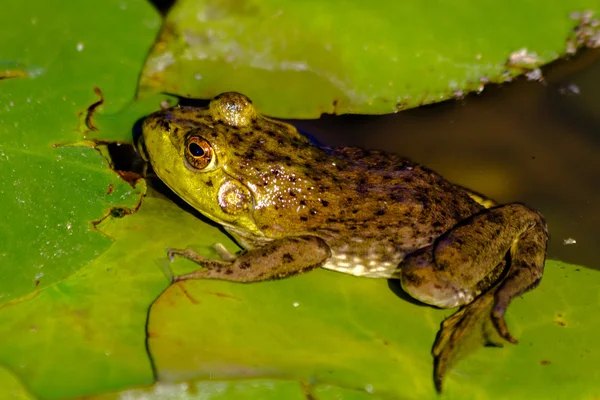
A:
(196, 150)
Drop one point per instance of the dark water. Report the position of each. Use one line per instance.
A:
(527, 141)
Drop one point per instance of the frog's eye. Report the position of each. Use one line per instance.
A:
(198, 152)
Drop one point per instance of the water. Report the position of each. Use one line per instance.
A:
(533, 142)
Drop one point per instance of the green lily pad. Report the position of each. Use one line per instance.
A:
(353, 332)
(264, 389)
(52, 193)
(92, 326)
(12, 388)
(301, 59)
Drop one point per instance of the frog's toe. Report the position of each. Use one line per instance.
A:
(497, 316)
(461, 333)
(171, 254)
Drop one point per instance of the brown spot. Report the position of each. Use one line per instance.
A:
(130, 177)
(496, 218)
(545, 362)
(111, 188)
(268, 250)
(288, 258)
(165, 126)
(303, 219)
(181, 286)
(414, 279)
(325, 203)
(152, 334)
(209, 183)
(224, 295)
(380, 212)
(8, 74)
(559, 320)
(244, 265)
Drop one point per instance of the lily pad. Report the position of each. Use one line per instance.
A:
(353, 332)
(58, 187)
(12, 387)
(264, 389)
(301, 59)
(52, 192)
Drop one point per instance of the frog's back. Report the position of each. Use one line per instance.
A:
(389, 207)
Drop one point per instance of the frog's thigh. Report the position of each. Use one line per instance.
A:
(276, 260)
(468, 259)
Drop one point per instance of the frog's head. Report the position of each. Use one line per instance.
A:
(221, 159)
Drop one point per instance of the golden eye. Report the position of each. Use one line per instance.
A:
(198, 152)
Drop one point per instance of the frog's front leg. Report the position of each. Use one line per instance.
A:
(276, 260)
(480, 264)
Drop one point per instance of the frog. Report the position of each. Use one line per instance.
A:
(294, 206)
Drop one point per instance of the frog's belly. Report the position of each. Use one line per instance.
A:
(373, 265)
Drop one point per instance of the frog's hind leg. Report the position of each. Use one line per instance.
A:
(481, 264)
(527, 257)
(276, 260)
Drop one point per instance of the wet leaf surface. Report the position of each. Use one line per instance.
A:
(356, 57)
(53, 191)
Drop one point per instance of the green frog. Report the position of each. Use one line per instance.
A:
(293, 207)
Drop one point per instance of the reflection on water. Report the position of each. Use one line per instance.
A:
(537, 143)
